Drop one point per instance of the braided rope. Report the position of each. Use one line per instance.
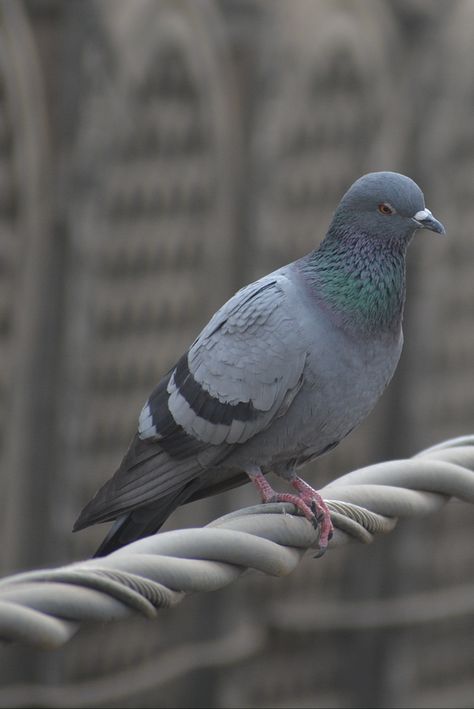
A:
(45, 608)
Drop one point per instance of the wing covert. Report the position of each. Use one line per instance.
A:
(242, 371)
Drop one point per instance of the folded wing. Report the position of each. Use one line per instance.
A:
(241, 373)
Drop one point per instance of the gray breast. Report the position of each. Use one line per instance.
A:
(344, 378)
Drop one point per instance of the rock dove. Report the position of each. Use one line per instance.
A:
(280, 374)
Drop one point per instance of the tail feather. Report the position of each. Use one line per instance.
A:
(146, 474)
(144, 521)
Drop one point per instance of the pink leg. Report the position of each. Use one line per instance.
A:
(309, 502)
(314, 500)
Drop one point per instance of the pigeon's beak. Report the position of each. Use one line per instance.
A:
(425, 220)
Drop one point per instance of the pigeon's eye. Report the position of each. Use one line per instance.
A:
(386, 208)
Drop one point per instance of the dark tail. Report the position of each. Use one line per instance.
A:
(143, 521)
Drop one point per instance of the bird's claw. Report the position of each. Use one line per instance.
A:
(308, 501)
(320, 552)
(318, 513)
(321, 520)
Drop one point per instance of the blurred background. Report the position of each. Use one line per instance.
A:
(154, 156)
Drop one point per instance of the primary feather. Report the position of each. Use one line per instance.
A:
(281, 373)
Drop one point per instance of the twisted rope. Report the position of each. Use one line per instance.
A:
(45, 608)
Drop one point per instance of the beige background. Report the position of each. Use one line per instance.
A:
(154, 156)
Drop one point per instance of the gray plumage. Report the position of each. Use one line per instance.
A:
(281, 373)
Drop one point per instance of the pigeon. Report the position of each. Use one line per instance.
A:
(282, 372)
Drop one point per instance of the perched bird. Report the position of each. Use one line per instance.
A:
(280, 374)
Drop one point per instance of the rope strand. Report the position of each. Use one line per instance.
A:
(45, 608)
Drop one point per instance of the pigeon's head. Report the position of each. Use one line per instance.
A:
(386, 205)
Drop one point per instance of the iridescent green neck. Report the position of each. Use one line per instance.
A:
(361, 279)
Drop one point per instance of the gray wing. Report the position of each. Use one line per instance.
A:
(241, 373)
(243, 370)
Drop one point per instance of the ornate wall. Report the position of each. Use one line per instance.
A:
(154, 156)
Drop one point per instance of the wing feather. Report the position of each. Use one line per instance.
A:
(240, 374)
(241, 368)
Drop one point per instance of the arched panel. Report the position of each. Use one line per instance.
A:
(324, 111)
(319, 120)
(446, 309)
(24, 259)
(439, 375)
(149, 218)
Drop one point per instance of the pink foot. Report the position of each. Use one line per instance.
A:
(308, 501)
(319, 508)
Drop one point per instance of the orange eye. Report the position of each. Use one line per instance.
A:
(385, 208)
